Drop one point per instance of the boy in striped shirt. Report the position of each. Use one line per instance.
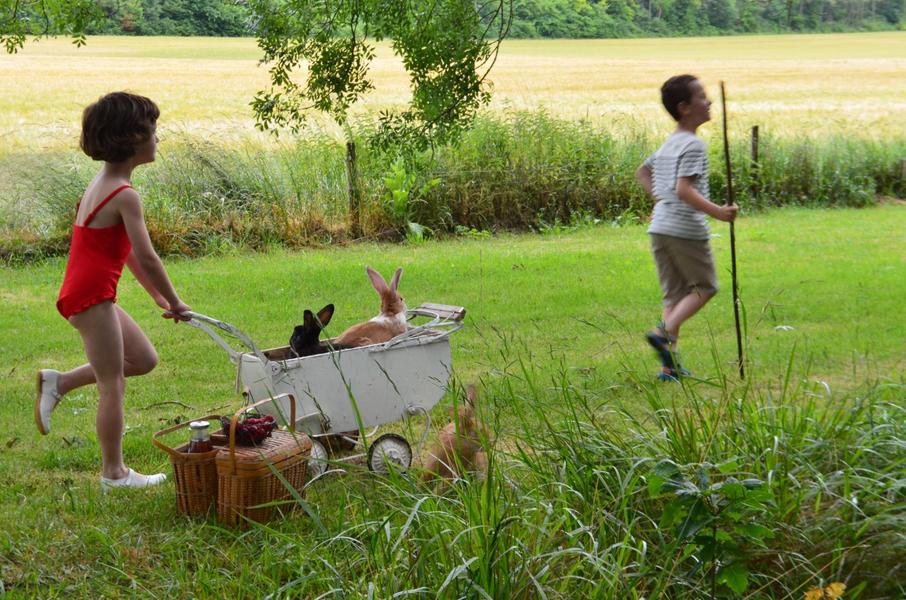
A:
(677, 177)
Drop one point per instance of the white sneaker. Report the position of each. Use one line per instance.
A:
(46, 398)
(132, 480)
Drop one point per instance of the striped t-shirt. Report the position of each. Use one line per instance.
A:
(682, 155)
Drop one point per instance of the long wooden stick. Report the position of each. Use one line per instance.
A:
(732, 200)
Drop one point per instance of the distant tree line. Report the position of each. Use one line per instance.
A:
(224, 18)
(631, 18)
(549, 18)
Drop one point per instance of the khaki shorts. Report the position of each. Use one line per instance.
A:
(683, 266)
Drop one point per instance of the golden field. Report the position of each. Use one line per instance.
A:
(792, 84)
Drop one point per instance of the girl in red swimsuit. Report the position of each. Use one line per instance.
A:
(109, 232)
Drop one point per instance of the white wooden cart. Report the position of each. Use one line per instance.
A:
(351, 389)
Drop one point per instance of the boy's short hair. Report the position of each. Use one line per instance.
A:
(113, 126)
(676, 90)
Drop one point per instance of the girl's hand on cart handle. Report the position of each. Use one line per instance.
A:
(176, 312)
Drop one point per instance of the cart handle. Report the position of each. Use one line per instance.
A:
(163, 432)
(440, 319)
(445, 311)
(441, 316)
(235, 421)
(198, 321)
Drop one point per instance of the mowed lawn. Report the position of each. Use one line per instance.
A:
(792, 84)
(825, 286)
(825, 282)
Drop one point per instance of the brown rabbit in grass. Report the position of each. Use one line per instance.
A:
(458, 444)
(388, 324)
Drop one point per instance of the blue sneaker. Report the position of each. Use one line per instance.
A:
(680, 369)
(659, 340)
(673, 374)
(668, 376)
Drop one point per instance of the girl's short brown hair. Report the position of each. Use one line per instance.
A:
(113, 126)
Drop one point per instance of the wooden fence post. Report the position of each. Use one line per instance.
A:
(352, 177)
(755, 165)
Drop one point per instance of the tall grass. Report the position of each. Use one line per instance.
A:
(567, 510)
(519, 170)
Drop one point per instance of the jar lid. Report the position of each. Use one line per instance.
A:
(198, 425)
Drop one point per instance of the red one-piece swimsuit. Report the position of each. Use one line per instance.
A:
(96, 259)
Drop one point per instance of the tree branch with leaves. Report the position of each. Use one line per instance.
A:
(21, 19)
(319, 53)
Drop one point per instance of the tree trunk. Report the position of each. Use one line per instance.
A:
(352, 178)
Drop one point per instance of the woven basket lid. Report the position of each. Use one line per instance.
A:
(281, 447)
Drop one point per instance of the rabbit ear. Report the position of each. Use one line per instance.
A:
(465, 417)
(376, 280)
(325, 315)
(308, 319)
(471, 394)
(395, 282)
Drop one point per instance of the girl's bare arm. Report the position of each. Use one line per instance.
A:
(132, 263)
(143, 260)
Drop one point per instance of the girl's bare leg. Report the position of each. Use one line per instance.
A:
(102, 337)
(139, 356)
(105, 329)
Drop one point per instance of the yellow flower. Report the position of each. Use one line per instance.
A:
(814, 594)
(832, 592)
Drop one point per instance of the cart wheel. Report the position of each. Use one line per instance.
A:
(389, 448)
(317, 460)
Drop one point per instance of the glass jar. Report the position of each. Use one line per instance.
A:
(201, 437)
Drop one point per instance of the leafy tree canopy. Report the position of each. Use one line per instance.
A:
(319, 53)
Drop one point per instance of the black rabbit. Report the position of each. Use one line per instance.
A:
(304, 341)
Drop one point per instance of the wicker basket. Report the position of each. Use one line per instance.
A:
(195, 473)
(248, 487)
